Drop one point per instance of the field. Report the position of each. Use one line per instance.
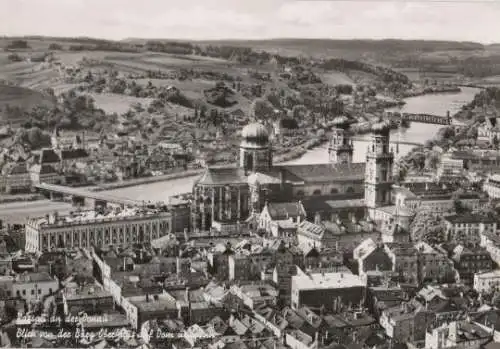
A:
(15, 96)
(336, 78)
(439, 60)
(113, 103)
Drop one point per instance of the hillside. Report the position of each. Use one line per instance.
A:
(23, 98)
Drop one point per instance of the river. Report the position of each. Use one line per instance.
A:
(437, 104)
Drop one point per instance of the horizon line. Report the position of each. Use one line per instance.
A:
(247, 39)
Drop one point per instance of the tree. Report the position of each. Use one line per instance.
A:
(472, 133)
(299, 111)
(261, 109)
(432, 160)
(55, 47)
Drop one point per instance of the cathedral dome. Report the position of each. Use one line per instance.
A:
(255, 134)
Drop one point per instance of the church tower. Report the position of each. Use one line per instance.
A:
(255, 150)
(341, 147)
(379, 166)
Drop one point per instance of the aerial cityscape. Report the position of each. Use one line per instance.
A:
(257, 176)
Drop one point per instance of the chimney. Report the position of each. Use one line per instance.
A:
(282, 178)
(186, 295)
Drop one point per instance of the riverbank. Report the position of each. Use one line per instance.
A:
(146, 180)
(432, 91)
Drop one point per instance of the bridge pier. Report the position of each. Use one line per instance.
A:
(78, 201)
(54, 196)
(100, 205)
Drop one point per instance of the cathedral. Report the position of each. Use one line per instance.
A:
(226, 197)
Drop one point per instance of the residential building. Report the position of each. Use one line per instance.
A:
(487, 282)
(256, 295)
(274, 213)
(467, 228)
(18, 179)
(90, 299)
(434, 265)
(371, 256)
(314, 235)
(492, 186)
(491, 242)
(406, 322)
(404, 258)
(326, 289)
(457, 334)
(45, 173)
(34, 286)
(471, 260)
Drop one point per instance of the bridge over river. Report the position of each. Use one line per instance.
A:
(414, 144)
(421, 117)
(79, 195)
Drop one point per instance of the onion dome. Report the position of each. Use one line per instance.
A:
(255, 134)
(342, 121)
(382, 126)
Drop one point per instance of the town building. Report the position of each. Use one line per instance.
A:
(89, 228)
(90, 299)
(404, 258)
(371, 256)
(328, 290)
(406, 323)
(17, 179)
(457, 334)
(434, 265)
(276, 218)
(45, 173)
(34, 286)
(256, 295)
(471, 260)
(487, 282)
(467, 228)
(492, 186)
(449, 167)
(491, 242)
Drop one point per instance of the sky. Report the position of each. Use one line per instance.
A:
(458, 20)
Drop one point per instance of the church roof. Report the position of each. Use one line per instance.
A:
(325, 172)
(223, 175)
(285, 210)
(354, 172)
(49, 156)
(73, 154)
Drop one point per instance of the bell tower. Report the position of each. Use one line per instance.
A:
(255, 149)
(341, 147)
(379, 166)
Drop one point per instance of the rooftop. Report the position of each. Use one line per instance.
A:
(314, 281)
(93, 216)
(469, 218)
(487, 275)
(34, 277)
(86, 292)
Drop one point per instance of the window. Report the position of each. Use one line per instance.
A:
(18, 293)
(24, 292)
(32, 292)
(39, 291)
